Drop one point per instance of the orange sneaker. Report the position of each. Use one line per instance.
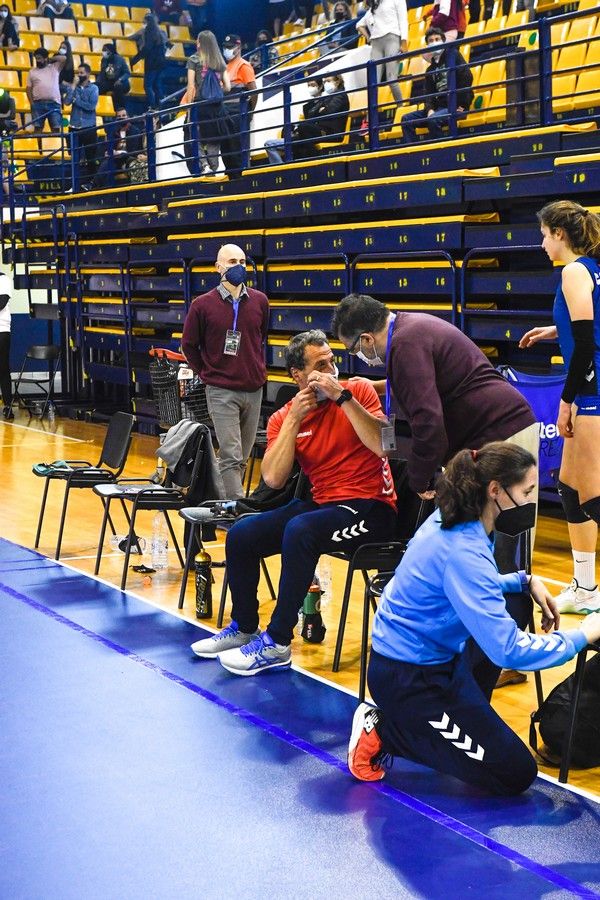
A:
(365, 745)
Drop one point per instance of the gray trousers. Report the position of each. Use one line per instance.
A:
(235, 416)
(388, 45)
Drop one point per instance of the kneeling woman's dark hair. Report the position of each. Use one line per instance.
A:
(462, 489)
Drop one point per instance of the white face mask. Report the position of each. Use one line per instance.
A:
(228, 53)
(3, 14)
(62, 52)
(313, 90)
(329, 87)
(320, 394)
(370, 361)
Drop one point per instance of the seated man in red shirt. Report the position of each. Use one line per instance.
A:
(335, 435)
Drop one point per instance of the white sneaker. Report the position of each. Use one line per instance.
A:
(260, 654)
(575, 599)
(228, 639)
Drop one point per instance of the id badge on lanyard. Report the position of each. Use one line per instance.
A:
(233, 337)
(388, 432)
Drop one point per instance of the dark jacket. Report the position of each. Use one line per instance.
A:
(436, 83)
(134, 139)
(9, 35)
(113, 69)
(330, 109)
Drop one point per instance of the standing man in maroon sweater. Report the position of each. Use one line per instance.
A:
(224, 339)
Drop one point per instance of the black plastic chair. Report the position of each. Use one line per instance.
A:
(147, 496)
(46, 353)
(84, 475)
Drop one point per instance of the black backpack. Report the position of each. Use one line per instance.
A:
(554, 715)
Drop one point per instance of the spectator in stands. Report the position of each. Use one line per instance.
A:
(208, 81)
(171, 11)
(571, 236)
(83, 97)
(43, 90)
(114, 75)
(385, 27)
(66, 79)
(199, 12)
(9, 30)
(152, 43)
(450, 395)
(445, 594)
(5, 376)
(279, 11)
(224, 339)
(334, 433)
(127, 141)
(345, 36)
(265, 53)
(436, 113)
(449, 17)
(55, 9)
(325, 120)
(8, 125)
(240, 72)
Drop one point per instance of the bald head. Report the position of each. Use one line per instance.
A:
(230, 255)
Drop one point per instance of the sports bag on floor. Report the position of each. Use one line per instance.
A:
(552, 718)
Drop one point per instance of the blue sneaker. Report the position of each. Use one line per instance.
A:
(228, 639)
(260, 654)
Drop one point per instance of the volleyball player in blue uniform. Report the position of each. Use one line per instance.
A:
(571, 235)
(445, 591)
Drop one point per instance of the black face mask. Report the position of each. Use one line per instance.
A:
(517, 519)
(339, 17)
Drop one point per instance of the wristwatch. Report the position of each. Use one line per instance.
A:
(345, 395)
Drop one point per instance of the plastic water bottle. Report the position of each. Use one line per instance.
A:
(159, 546)
(324, 575)
(51, 414)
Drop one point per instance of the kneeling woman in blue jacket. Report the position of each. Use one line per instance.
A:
(445, 591)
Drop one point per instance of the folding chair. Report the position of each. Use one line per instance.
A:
(46, 353)
(81, 474)
(145, 496)
(567, 748)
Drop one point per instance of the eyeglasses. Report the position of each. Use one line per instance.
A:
(352, 348)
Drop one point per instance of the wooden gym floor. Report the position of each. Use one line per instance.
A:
(25, 442)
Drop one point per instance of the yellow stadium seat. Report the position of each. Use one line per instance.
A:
(52, 42)
(126, 48)
(105, 106)
(40, 25)
(30, 41)
(588, 4)
(26, 146)
(80, 44)
(492, 74)
(582, 29)
(21, 23)
(497, 106)
(86, 26)
(138, 67)
(474, 29)
(65, 26)
(21, 101)
(558, 33)
(98, 43)
(138, 13)
(118, 13)
(176, 52)
(494, 25)
(479, 109)
(93, 60)
(515, 19)
(96, 11)
(563, 88)
(20, 170)
(592, 57)
(54, 145)
(179, 33)
(568, 57)
(111, 29)
(137, 86)
(17, 59)
(78, 10)
(25, 7)
(588, 92)
(9, 80)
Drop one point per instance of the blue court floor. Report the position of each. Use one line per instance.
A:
(131, 769)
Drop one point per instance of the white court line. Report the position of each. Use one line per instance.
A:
(61, 437)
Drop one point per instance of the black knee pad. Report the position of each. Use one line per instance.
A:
(591, 508)
(570, 502)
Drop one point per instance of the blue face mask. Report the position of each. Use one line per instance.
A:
(236, 275)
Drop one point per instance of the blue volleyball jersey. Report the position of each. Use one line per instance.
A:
(562, 320)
